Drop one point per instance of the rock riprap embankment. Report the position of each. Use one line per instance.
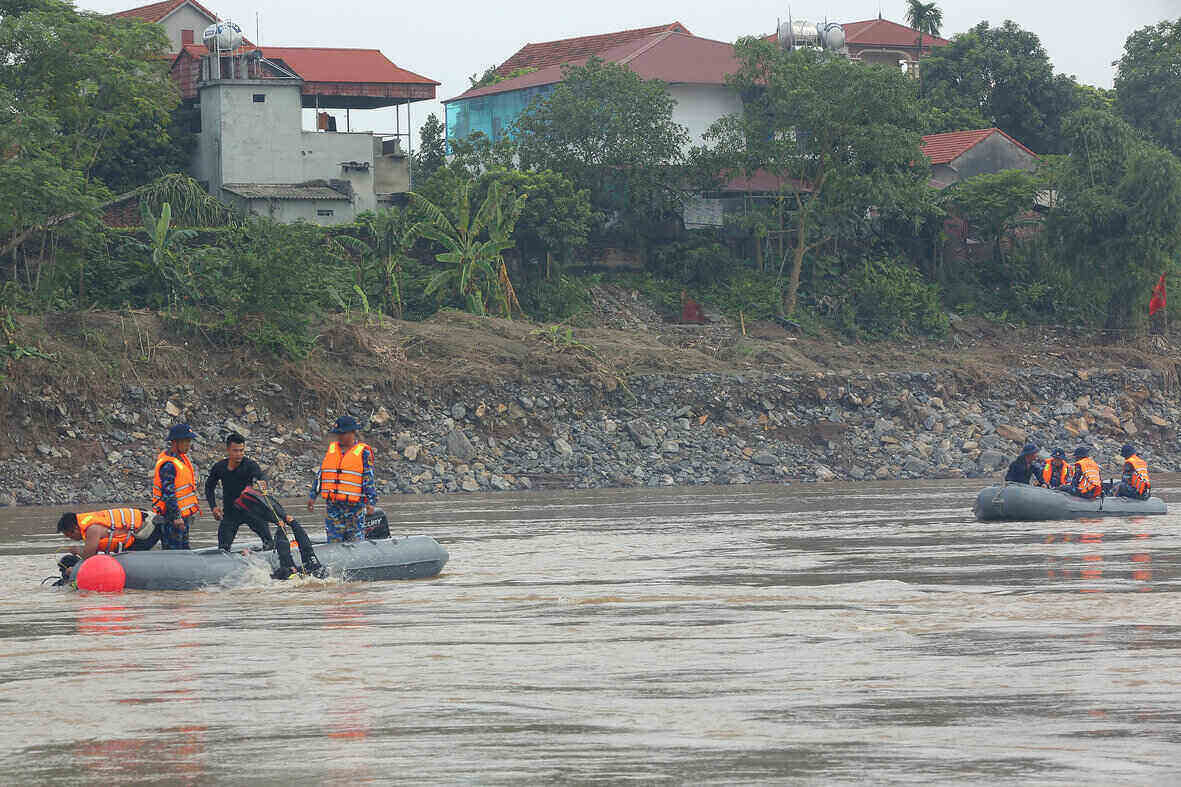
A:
(653, 431)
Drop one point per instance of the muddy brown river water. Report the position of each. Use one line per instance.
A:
(845, 633)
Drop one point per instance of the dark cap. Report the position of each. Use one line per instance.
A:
(181, 432)
(1029, 448)
(346, 423)
(1058, 453)
(1081, 452)
(1127, 450)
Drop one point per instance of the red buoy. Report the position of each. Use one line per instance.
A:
(101, 573)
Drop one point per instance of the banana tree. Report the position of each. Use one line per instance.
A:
(392, 234)
(474, 245)
(169, 262)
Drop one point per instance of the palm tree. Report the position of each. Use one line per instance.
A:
(924, 17)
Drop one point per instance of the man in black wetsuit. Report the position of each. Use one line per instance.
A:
(234, 473)
(1023, 466)
(259, 509)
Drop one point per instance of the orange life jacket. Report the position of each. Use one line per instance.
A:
(121, 524)
(1055, 478)
(341, 473)
(186, 485)
(1090, 481)
(1138, 475)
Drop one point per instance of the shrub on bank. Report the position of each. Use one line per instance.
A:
(888, 298)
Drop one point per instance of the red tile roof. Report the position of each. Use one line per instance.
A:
(947, 147)
(883, 32)
(157, 11)
(673, 57)
(319, 64)
(762, 180)
(555, 53)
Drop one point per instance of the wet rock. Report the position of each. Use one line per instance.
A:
(916, 467)
(641, 433)
(469, 485)
(459, 446)
(1011, 433)
(991, 460)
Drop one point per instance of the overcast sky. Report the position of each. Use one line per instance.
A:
(448, 41)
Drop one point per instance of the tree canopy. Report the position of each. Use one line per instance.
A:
(1148, 83)
(432, 148)
(1118, 217)
(843, 136)
(612, 133)
(1005, 75)
(77, 88)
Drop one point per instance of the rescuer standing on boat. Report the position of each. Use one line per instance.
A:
(235, 473)
(174, 489)
(345, 480)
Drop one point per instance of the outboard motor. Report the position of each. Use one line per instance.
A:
(376, 525)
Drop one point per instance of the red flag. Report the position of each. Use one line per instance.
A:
(1158, 297)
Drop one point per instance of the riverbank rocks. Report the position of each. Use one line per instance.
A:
(459, 446)
(658, 430)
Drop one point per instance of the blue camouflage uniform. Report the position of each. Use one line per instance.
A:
(342, 521)
(172, 536)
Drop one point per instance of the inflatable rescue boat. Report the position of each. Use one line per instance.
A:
(1036, 503)
(411, 557)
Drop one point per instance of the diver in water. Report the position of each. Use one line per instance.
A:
(259, 510)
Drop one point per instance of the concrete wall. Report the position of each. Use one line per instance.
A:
(700, 106)
(322, 153)
(244, 141)
(185, 17)
(289, 210)
(995, 154)
(391, 174)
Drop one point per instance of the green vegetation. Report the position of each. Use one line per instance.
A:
(1148, 83)
(854, 241)
(1004, 75)
(858, 152)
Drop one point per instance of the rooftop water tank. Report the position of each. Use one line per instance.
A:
(832, 35)
(222, 37)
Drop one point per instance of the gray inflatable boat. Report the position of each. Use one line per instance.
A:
(411, 557)
(1036, 503)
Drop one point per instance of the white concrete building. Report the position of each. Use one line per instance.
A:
(252, 150)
